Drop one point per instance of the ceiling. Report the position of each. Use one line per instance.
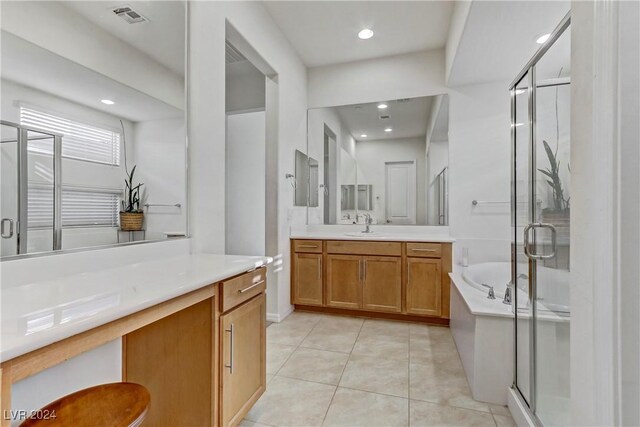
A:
(30, 65)
(161, 37)
(325, 32)
(499, 38)
(408, 119)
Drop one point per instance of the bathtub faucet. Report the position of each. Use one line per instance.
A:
(492, 294)
(507, 294)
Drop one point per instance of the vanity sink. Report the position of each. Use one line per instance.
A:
(361, 234)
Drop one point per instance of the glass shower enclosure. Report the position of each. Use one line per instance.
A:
(30, 176)
(540, 200)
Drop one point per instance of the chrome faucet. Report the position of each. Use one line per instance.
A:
(492, 294)
(507, 294)
(368, 222)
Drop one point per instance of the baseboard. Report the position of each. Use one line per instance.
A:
(277, 318)
(374, 314)
(519, 410)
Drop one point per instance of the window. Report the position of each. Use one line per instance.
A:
(80, 207)
(80, 141)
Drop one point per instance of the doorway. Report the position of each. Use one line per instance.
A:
(400, 192)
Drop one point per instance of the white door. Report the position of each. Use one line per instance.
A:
(400, 192)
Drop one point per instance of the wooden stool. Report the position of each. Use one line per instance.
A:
(108, 405)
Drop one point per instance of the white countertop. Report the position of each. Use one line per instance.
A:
(380, 233)
(38, 314)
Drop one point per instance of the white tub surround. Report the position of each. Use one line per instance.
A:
(40, 313)
(405, 233)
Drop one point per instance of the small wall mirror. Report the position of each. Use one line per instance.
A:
(78, 120)
(386, 159)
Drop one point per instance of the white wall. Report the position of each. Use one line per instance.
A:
(159, 154)
(207, 124)
(371, 157)
(392, 77)
(479, 168)
(245, 184)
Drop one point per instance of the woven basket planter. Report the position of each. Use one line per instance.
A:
(131, 221)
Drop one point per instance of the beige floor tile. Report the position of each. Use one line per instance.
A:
(378, 375)
(330, 339)
(359, 408)
(383, 347)
(504, 420)
(315, 365)
(290, 402)
(374, 327)
(303, 318)
(269, 377)
(288, 333)
(340, 323)
(426, 350)
(432, 384)
(429, 331)
(277, 354)
(431, 414)
(247, 423)
(499, 410)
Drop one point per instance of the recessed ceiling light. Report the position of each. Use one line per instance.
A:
(107, 101)
(365, 34)
(520, 91)
(388, 129)
(364, 135)
(543, 38)
(382, 106)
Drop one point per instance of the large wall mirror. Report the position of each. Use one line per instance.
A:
(93, 147)
(385, 161)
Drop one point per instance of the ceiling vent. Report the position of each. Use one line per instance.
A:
(129, 15)
(401, 100)
(232, 54)
(385, 117)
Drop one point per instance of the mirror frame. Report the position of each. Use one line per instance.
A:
(187, 67)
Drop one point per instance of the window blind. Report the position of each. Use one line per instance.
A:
(80, 141)
(80, 207)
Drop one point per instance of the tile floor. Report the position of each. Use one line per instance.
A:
(343, 371)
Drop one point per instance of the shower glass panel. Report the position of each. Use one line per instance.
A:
(541, 194)
(40, 192)
(9, 179)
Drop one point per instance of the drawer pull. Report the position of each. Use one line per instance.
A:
(230, 365)
(248, 288)
(424, 250)
(308, 246)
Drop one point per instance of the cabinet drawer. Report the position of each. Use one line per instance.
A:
(364, 248)
(311, 246)
(243, 288)
(428, 250)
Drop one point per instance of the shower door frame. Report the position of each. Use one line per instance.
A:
(529, 72)
(22, 228)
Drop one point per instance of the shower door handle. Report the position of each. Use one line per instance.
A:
(3, 229)
(531, 254)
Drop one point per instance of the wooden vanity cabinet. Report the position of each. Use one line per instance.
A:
(382, 284)
(400, 280)
(243, 339)
(344, 287)
(424, 287)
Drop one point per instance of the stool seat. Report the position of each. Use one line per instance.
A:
(108, 405)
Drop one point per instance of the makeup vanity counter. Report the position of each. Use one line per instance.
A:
(181, 308)
(389, 274)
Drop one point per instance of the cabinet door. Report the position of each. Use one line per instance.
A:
(243, 359)
(424, 289)
(344, 288)
(307, 280)
(382, 284)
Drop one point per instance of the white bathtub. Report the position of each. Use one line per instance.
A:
(483, 328)
(552, 284)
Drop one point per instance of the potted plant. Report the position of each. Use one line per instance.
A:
(558, 214)
(131, 216)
